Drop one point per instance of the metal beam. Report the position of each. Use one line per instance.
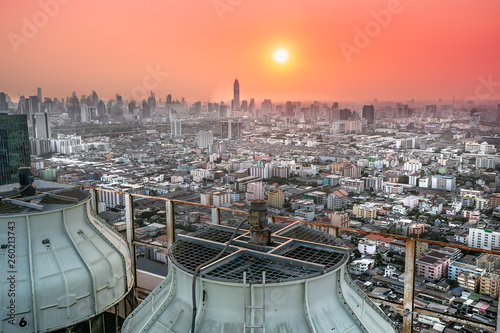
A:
(129, 218)
(409, 284)
(170, 223)
(95, 201)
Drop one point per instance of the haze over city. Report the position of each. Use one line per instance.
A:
(338, 50)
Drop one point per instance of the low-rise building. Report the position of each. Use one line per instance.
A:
(488, 261)
(360, 266)
(337, 199)
(489, 284)
(432, 266)
(440, 182)
(457, 267)
(276, 198)
(468, 281)
(339, 219)
(364, 211)
(484, 238)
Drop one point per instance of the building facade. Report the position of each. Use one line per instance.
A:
(13, 137)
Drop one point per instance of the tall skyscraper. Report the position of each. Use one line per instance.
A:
(205, 138)
(95, 98)
(4, 106)
(244, 105)
(39, 94)
(222, 110)
(169, 99)
(402, 110)
(195, 109)
(430, 110)
(236, 96)
(13, 133)
(119, 100)
(33, 105)
(175, 128)
(498, 113)
(41, 124)
(345, 114)
(146, 111)
(267, 107)
(251, 106)
(475, 118)
(131, 107)
(175, 125)
(369, 113)
(152, 103)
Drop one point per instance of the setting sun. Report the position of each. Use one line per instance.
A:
(280, 55)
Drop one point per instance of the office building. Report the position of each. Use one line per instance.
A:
(444, 182)
(369, 113)
(4, 106)
(175, 128)
(276, 198)
(267, 107)
(13, 134)
(41, 125)
(430, 110)
(254, 191)
(205, 138)
(231, 129)
(475, 118)
(33, 106)
(484, 238)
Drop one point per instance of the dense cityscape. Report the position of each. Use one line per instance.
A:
(249, 166)
(415, 169)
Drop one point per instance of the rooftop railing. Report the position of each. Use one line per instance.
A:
(407, 308)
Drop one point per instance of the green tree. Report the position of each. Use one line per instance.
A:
(403, 179)
(452, 283)
(327, 190)
(356, 253)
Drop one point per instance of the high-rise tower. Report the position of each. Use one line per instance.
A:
(13, 134)
(369, 113)
(236, 98)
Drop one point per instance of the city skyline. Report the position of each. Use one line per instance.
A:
(337, 51)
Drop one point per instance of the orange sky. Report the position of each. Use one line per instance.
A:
(428, 49)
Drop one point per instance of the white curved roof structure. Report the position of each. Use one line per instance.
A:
(59, 263)
(306, 286)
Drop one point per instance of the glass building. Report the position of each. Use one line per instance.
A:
(13, 133)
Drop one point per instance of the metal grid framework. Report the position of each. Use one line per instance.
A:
(7, 208)
(276, 271)
(73, 193)
(246, 226)
(309, 235)
(220, 236)
(190, 255)
(317, 256)
(276, 259)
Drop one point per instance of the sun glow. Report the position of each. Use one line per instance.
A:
(280, 56)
